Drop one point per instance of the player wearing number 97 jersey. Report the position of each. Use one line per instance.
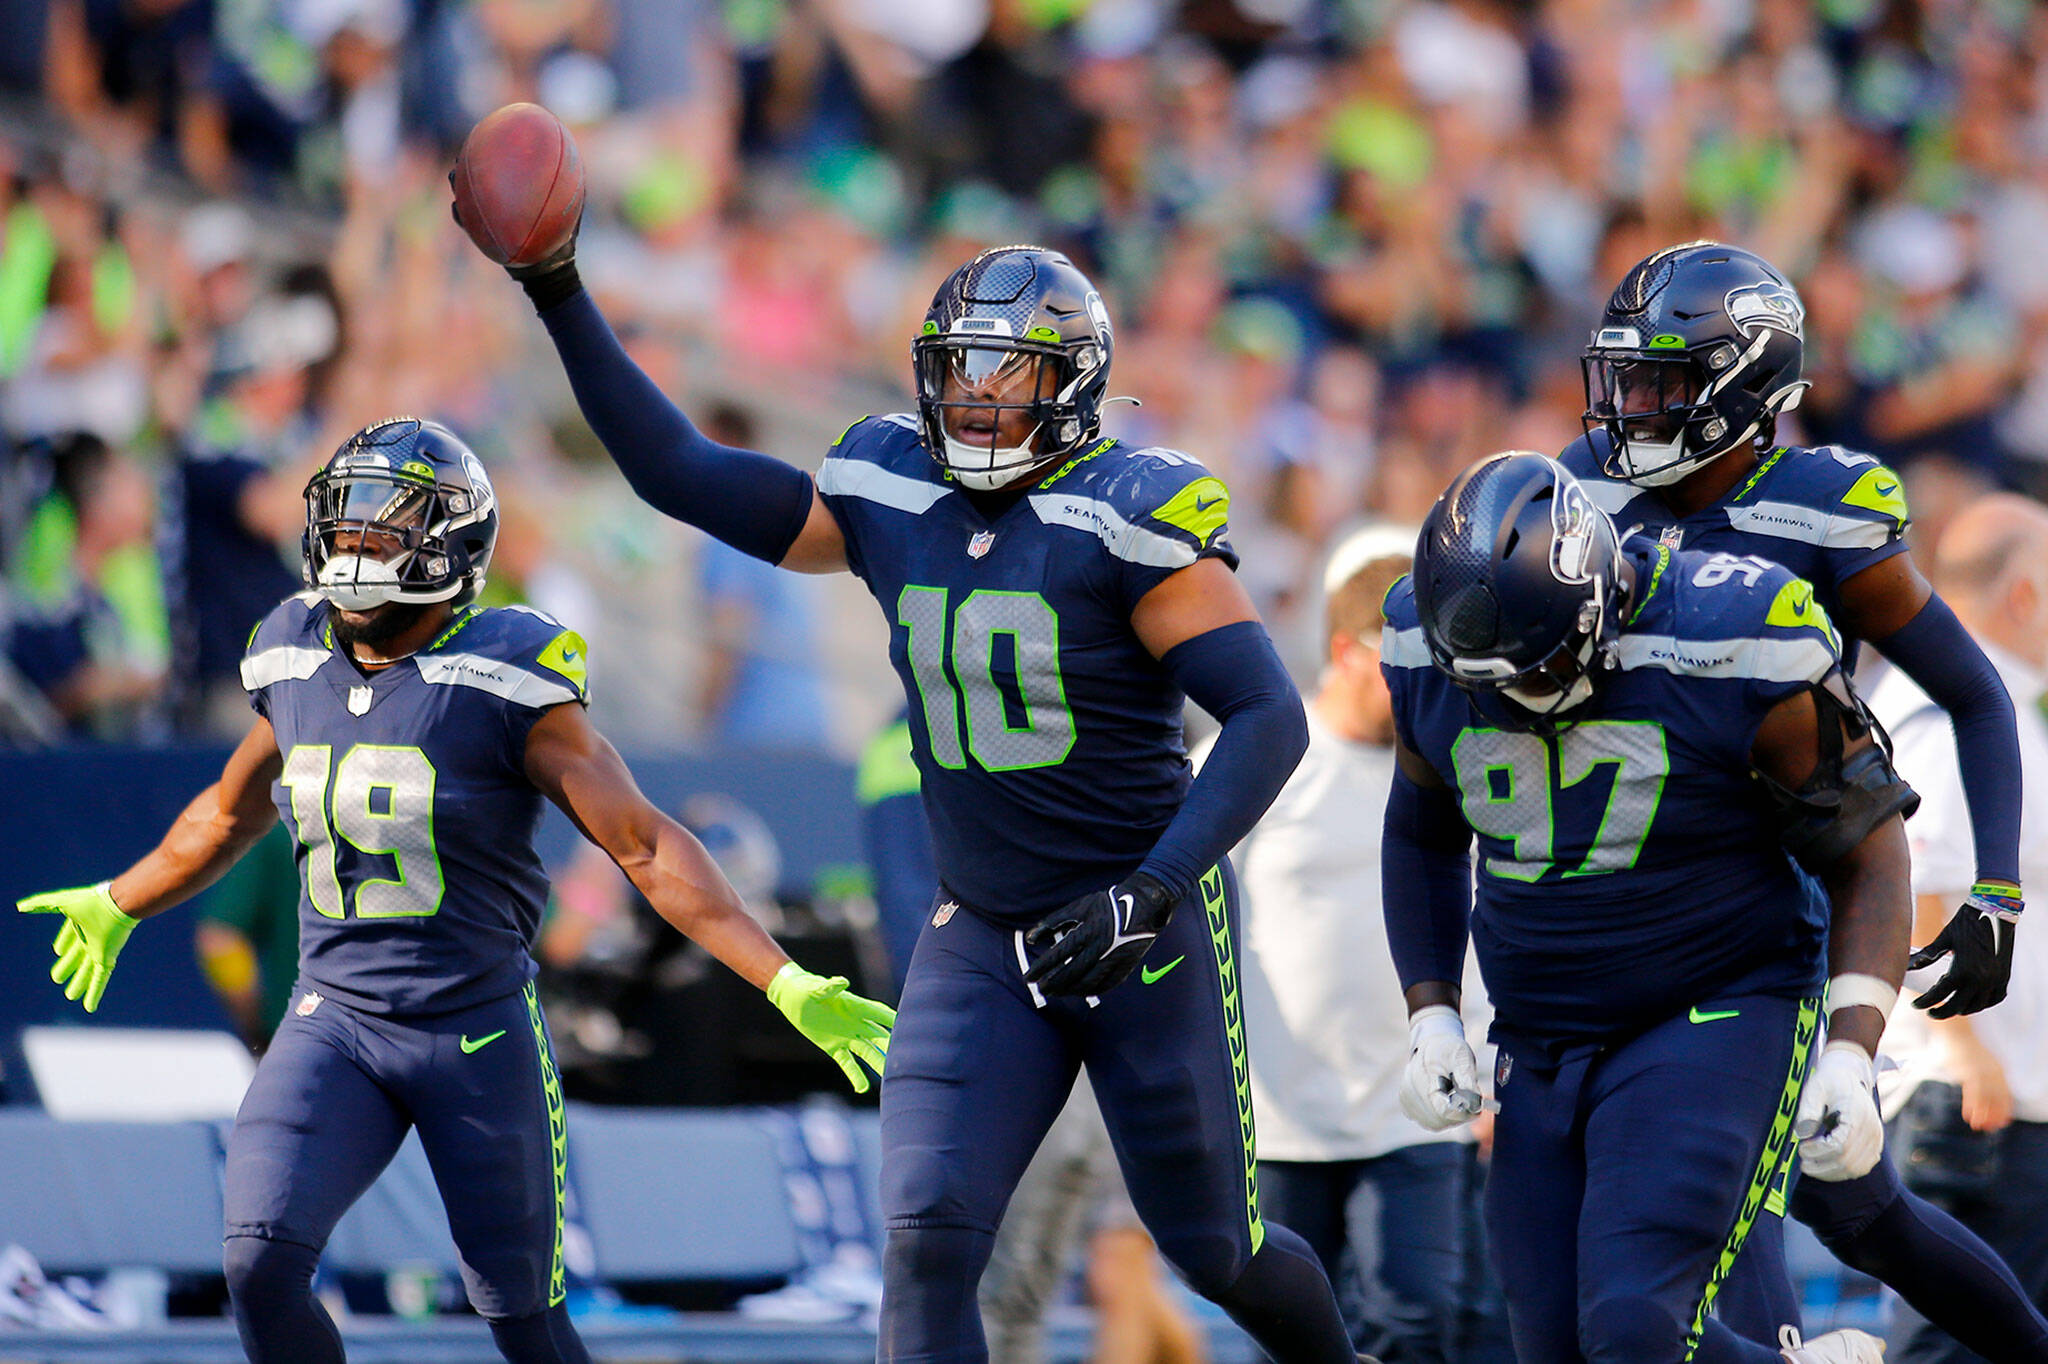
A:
(1643, 740)
(407, 736)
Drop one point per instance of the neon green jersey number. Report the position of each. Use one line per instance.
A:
(1512, 785)
(1002, 671)
(382, 804)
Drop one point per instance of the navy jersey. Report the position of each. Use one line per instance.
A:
(1048, 740)
(406, 790)
(1631, 865)
(1825, 513)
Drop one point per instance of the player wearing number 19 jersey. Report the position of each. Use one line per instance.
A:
(1052, 598)
(407, 736)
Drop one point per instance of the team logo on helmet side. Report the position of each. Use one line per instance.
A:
(1574, 520)
(1767, 304)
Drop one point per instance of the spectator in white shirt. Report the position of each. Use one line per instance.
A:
(1972, 1093)
(1339, 1163)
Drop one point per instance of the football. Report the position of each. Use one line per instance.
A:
(519, 184)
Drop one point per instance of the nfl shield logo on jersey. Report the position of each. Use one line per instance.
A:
(1671, 537)
(358, 700)
(308, 1002)
(980, 543)
(945, 913)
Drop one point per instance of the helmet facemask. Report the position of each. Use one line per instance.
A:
(1665, 414)
(977, 390)
(375, 535)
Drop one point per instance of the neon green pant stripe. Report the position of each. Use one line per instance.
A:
(1215, 901)
(558, 1135)
(1770, 1165)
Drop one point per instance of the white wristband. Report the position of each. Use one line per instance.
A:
(1843, 1044)
(1435, 1020)
(1852, 988)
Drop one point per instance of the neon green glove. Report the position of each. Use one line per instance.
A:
(841, 1025)
(94, 931)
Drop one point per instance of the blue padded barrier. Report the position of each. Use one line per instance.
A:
(681, 1194)
(93, 1195)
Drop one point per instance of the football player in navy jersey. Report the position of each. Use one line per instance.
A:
(1699, 351)
(1052, 597)
(407, 737)
(1650, 745)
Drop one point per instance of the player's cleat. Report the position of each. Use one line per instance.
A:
(1836, 1347)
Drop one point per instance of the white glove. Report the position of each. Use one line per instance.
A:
(1841, 1134)
(1440, 1087)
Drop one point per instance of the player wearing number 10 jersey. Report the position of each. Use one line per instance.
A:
(408, 737)
(1052, 598)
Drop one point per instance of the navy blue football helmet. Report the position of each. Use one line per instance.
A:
(402, 512)
(995, 314)
(1519, 583)
(1699, 349)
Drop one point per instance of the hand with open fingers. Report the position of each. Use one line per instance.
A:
(1440, 1088)
(847, 1027)
(91, 939)
(1978, 943)
(1094, 943)
(1841, 1134)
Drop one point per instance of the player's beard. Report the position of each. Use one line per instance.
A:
(379, 626)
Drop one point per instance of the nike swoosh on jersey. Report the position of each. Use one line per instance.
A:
(1148, 975)
(481, 1042)
(1696, 1016)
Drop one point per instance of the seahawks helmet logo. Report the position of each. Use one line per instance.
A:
(1097, 314)
(1766, 304)
(1574, 523)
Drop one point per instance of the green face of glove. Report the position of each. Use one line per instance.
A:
(94, 931)
(844, 1026)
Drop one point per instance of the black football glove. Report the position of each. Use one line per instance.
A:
(1100, 938)
(1978, 943)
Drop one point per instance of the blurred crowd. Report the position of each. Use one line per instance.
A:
(1349, 245)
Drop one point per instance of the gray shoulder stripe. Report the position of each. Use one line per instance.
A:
(1404, 648)
(1761, 660)
(499, 678)
(1129, 542)
(843, 477)
(1809, 525)
(260, 670)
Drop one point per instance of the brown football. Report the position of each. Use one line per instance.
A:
(519, 184)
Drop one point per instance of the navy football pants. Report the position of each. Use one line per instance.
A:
(327, 1111)
(979, 1066)
(1624, 1182)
